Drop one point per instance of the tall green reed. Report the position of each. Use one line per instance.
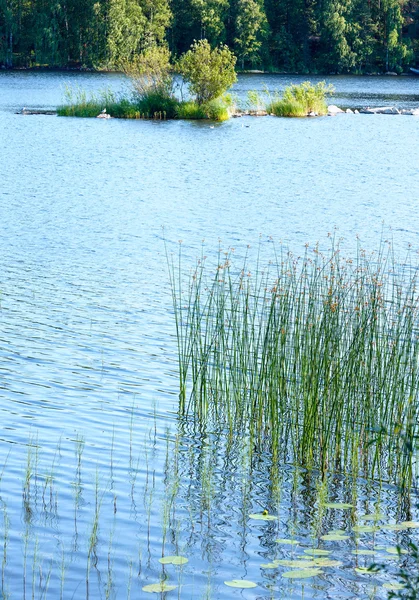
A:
(318, 352)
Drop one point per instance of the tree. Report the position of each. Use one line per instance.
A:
(150, 72)
(210, 15)
(127, 25)
(159, 17)
(209, 72)
(336, 26)
(251, 29)
(7, 32)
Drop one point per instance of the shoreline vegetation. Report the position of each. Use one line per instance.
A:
(269, 35)
(317, 353)
(304, 100)
(208, 74)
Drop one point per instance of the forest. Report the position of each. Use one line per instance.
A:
(296, 36)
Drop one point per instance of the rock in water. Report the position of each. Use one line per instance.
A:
(334, 110)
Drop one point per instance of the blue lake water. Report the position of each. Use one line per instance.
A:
(88, 372)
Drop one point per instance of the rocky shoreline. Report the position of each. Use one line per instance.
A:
(333, 110)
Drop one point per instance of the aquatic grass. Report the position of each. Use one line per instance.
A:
(152, 104)
(319, 352)
(301, 100)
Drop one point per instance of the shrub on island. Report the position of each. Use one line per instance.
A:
(301, 100)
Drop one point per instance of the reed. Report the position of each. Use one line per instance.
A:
(301, 100)
(319, 352)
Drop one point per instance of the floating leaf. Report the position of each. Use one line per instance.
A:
(241, 583)
(302, 573)
(271, 565)
(317, 552)
(394, 550)
(334, 537)
(338, 531)
(262, 517)
(364, 571)
(173, 560)
(295, 563)
(373, 517)
(410, 524)
(394, 527)
(158, 588)
(341, 505)
(362, 552)
(326, 562)
(393, 586)
(284, 541)
(365, 528)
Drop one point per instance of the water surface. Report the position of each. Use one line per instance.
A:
(88, 354)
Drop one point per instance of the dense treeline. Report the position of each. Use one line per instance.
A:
(287, 35)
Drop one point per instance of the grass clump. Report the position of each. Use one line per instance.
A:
(190, 110)
(320, 353)
(214, 110)
(151, 78)
(301, 100)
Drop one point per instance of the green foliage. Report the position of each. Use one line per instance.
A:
(190, 110)
(305, 353)
(407, 575)
(250, 31)
(156, 103)
(214, 110)
(152, 104)
(300, 36)
(300, 100)
(208, 72)
(152, 82)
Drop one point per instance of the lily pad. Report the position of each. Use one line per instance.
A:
(334, 537)
(364, 571)
(159, 587)
(271, 565)
(365, 528)
(338, 531)
(284, 541)
(327, 562)
(393, 586)
(410, 524)
(394, 550)
(295, 563)
(241, 583)
(363, 552)
(317, 552)
(373, 517)
(338, 505)
(394, 527)
(262, 517)
(173, 560)
(302, 573)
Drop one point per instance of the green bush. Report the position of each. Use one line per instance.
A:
(152, 82)
(190, 110)
(208, 72)
(214, 110)
(287, 108)
(300, 100)
(154, 103)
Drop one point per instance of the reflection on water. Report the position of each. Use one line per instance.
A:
(94, 490)
(89, 525)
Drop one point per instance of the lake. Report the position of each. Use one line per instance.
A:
(100, 477)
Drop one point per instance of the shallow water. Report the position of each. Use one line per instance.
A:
(88, 354)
